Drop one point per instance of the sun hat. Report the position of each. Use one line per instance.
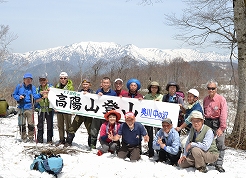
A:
(133, 80)
(154, 83)
(172, 84)
(118, 115)
(196, 114)
(86, 80)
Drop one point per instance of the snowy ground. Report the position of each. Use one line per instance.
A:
(15, 160)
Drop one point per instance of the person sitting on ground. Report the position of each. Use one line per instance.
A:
(131, 133)
(200, 148)
(167, 141)
(5, 111)
(107, 132)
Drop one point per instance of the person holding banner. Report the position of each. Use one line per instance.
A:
(107, 132)
(167, 141)
(153, 94)
(96, 123)
(174, 97)
(78, 120)
(131, 133)
(133, 86)
(65, 84)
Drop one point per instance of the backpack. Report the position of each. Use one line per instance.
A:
(51, 164)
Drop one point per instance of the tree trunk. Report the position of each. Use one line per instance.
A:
(239, 129)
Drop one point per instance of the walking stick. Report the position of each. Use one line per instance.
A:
(33, 108)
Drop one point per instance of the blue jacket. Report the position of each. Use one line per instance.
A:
(196, 107)
(27, 91)
(172, 141)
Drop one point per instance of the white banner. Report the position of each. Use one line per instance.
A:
(148, 112)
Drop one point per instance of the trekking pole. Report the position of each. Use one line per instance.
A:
(35, 135)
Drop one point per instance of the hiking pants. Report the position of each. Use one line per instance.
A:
(132, 152)
(49, 120)
(164, 156)
(77, 121)
(61, 119)
(199, 158)
(112, 146)
(23, 117)
(150, 143)
(220, 141)
(95, 127)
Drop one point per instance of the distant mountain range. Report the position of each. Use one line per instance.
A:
(85, 54)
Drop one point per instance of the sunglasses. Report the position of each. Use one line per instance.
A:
(211, 88)
(63, 78)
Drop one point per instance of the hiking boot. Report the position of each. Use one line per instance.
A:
(99, 153)
(60, 142)
(25, 140)
(219, 168)
(67, 145)
(159, 160)
(202, 169)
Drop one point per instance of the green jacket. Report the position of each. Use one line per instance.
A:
(43, 105)
(157, 97)
(201, 136)
(69, 85)
(3, 107)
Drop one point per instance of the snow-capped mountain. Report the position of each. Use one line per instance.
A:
(85, 54)
(93, 51)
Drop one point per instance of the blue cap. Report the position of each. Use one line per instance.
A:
(133, 80)
(27, 75)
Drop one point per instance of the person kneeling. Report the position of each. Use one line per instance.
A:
(131, 133)
(167, 142)
(107, 132)
(200, 148)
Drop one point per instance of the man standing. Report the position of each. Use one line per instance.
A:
(118, 85)
(44, 112)
(24, 94)
(65, 84)
(78, 120)
(215, 112)
(200, 148)
(96, 123)
(133, 86)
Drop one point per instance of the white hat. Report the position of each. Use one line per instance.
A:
(63, 74)
(194, 92)
(196, 114)
(118, 79)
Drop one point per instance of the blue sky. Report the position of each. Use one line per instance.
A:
(51, 23)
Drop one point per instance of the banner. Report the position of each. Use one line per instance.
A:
(148, 112)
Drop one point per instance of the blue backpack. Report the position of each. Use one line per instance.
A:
(52, 164)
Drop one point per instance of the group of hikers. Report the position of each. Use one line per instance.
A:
(204, 126)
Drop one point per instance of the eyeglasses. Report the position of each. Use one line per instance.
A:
(42, 79)
(163, 125)
(63, 78)
(211, 88)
